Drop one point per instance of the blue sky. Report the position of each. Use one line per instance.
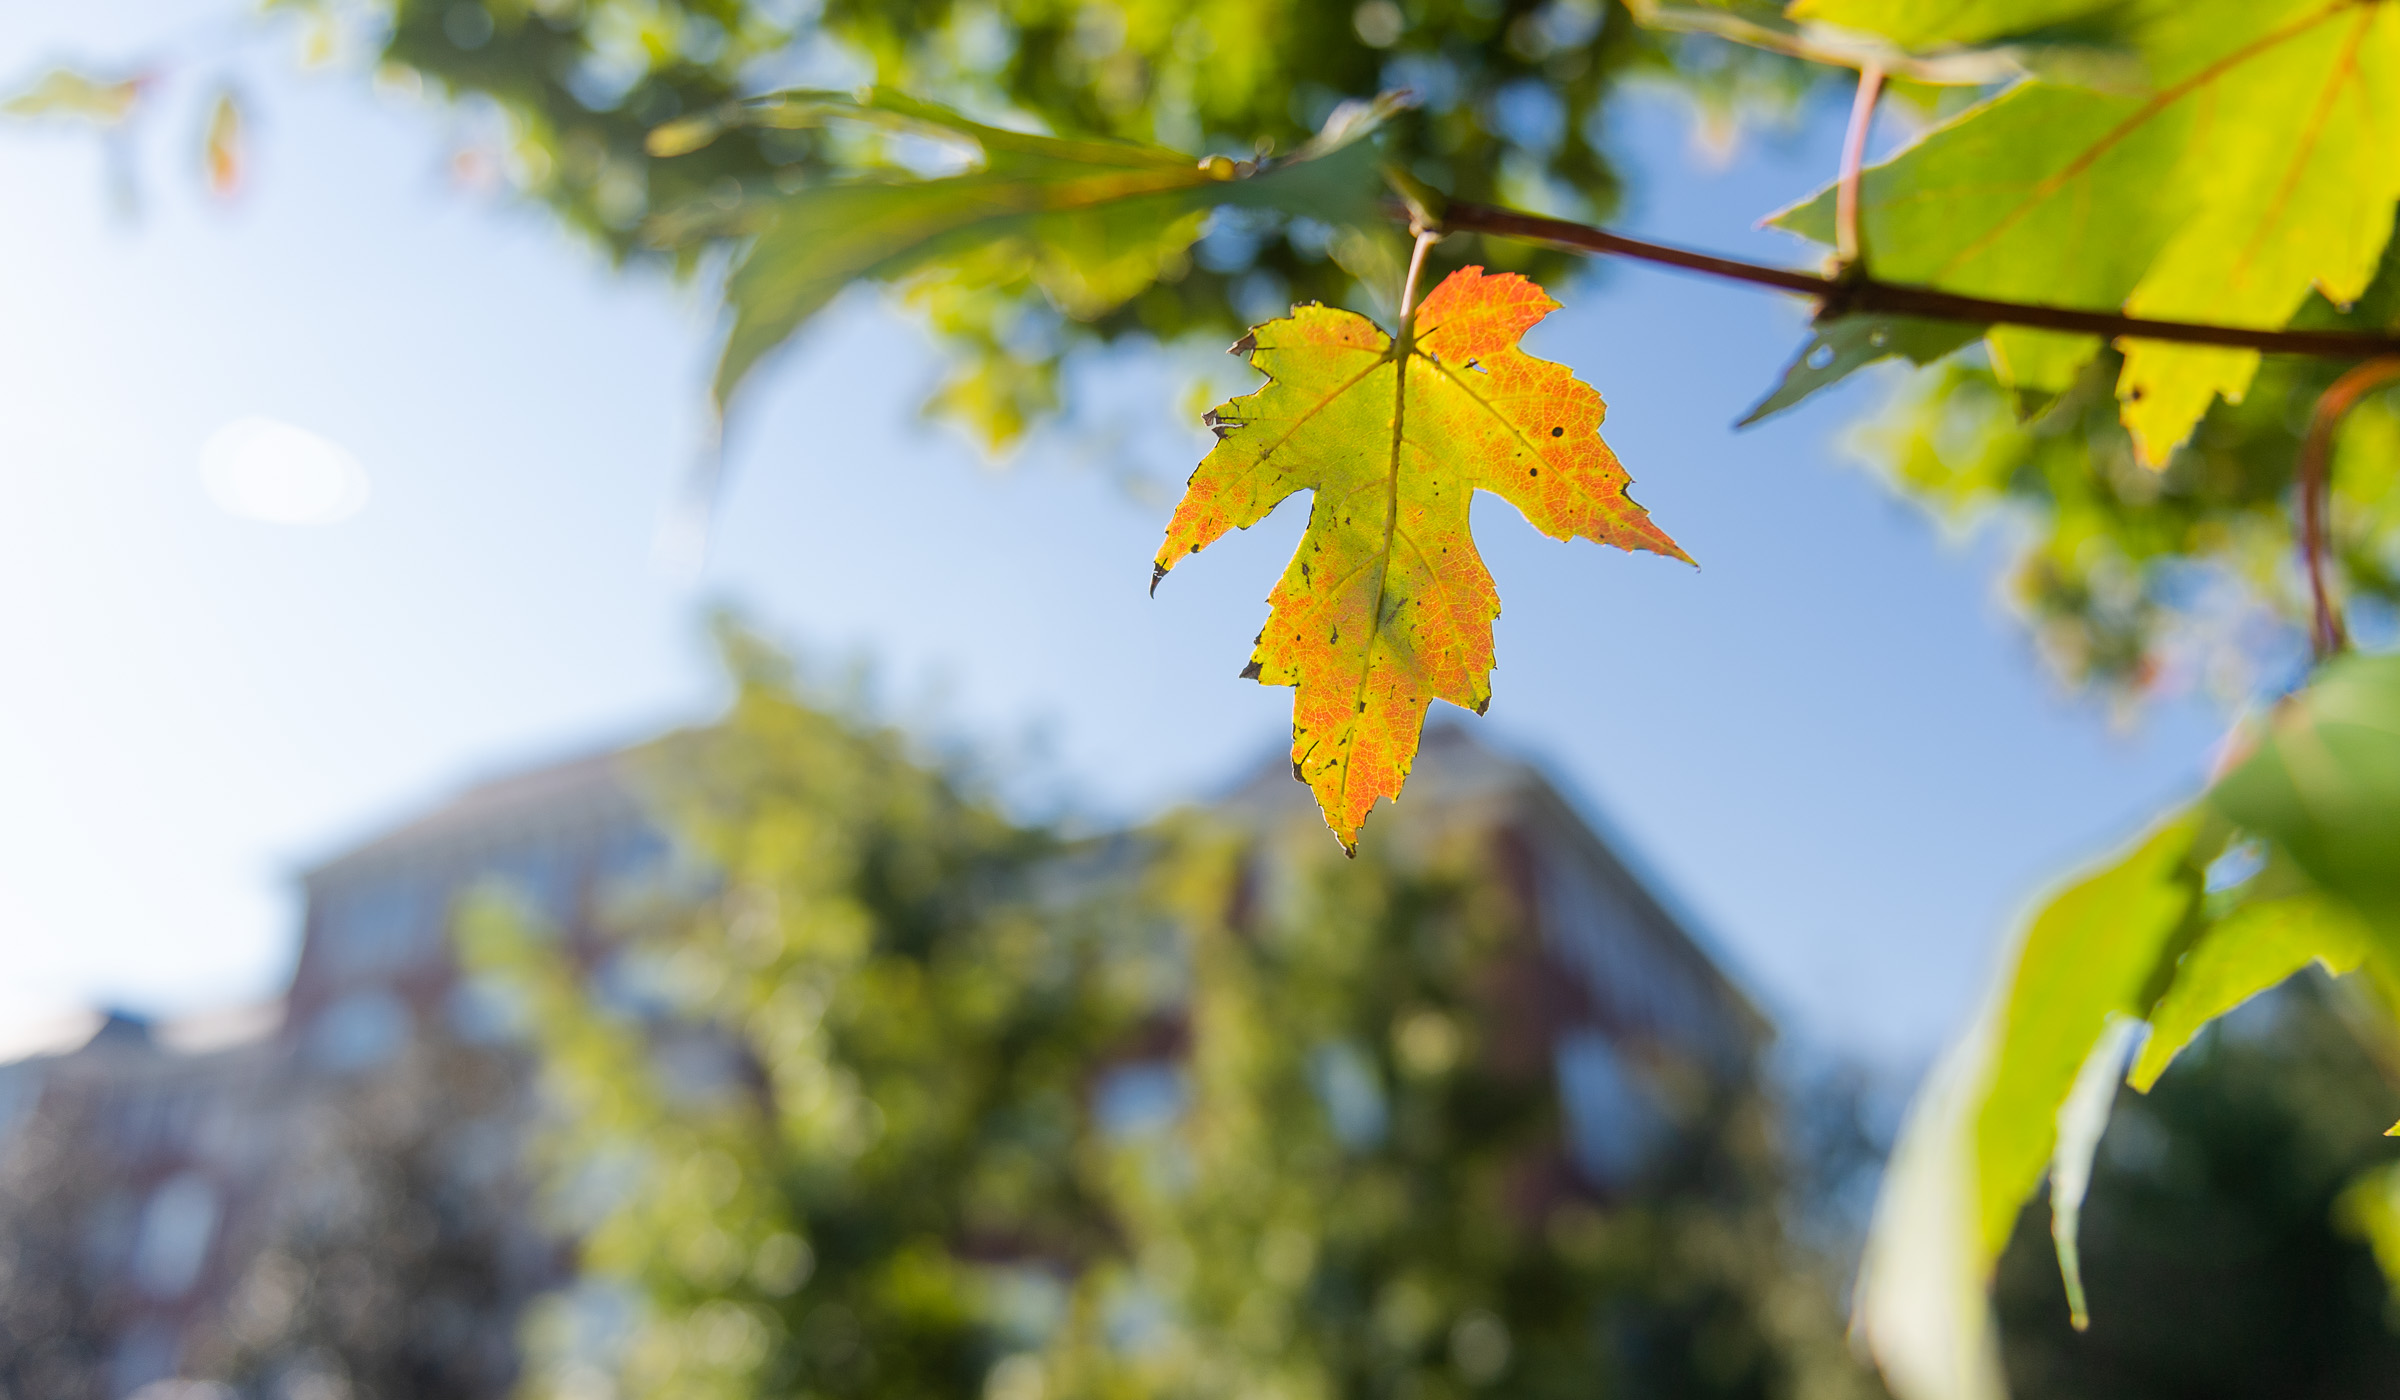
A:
(1829, 741)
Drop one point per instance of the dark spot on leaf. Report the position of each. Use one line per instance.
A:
(1250, 672)
(1297, 775)
(1558, 432)
(1484, 704)
(1533, 471)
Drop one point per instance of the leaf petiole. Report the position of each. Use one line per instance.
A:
(2315, 483)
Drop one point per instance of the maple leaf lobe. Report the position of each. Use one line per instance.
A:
(1386, 606)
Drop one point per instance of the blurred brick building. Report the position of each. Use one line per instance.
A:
(332, 1206)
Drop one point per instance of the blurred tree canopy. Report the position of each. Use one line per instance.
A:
(909, 1100)
(2127, 577)
(1511, 107)
(2130, 578)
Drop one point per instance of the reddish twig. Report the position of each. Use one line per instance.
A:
(1846, 296)
(2316, 492)
(1416, 269)
(1847, 246)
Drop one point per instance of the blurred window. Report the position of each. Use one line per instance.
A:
(1144, 1097)
(1614, 1123)
(487, 1011)
(1622, 959)
(1351, 1090)
(143, 1354)
(542, 878)
(380, 925)
(177, 1225)
(636, 863)
(180, 1389)
(698, 1067)
(359, 1032)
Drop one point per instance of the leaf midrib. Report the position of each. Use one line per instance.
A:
(1397, 356)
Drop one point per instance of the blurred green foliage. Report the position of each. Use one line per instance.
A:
(906, 1100)
(2213, 1238)
(2130, 579)
(2285, 863)
(2213, 160)
(2130, 576)
(1511, 108)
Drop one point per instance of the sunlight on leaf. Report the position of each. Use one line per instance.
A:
(221, 147)
(2253, 167)
(1978, 1140)
(1917, 25)
(64, 94)
(2082, 1119)
(1387, 607)
(2252, 949)
(2369, 1208)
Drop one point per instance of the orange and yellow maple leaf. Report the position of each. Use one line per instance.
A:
(1386, 607)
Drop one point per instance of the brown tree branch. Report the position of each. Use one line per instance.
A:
(1857, 295)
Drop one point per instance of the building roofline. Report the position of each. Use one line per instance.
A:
(482, 803)
(1267, 787)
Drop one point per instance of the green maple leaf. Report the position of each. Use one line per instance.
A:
(2255, 165)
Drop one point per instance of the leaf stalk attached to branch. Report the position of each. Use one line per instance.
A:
(1848, 247)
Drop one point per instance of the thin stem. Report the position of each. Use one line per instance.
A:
(1846, 245)
(2316, 492)
(1416, 268)
(1840, 296)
